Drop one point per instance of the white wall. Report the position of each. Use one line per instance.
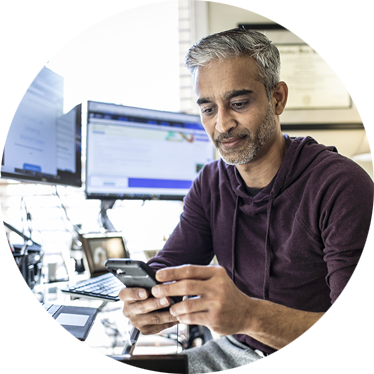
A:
(227, 14)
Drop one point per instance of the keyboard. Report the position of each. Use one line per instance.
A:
(25, 317)
(104, 287)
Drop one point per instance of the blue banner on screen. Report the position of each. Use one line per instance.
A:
(159, 183)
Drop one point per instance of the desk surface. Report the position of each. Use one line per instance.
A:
(111, 329)
(165, 364)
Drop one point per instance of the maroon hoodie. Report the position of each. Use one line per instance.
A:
(296, 243)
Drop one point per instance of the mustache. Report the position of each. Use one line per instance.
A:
(232, 135)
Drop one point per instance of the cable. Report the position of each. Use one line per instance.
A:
(181, 341)
(177, 337)
(28, 217)
(75, 227)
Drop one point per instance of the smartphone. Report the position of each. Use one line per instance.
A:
(134, 273)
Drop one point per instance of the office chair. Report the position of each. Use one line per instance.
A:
(198, 334)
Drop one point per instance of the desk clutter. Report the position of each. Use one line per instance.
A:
(86, 303)
(21, 267)
(98, 352)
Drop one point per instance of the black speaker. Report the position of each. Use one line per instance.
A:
(30, 262)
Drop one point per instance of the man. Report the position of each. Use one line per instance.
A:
(286, 218)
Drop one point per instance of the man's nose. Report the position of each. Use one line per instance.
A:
(225, 121)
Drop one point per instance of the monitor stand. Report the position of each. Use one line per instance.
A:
(105, 205)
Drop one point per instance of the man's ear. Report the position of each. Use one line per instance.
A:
(280, 94)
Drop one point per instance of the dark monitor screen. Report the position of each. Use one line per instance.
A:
(44, 143)
(137, 153)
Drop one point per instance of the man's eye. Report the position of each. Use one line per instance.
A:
(240, 105)
(207, 110)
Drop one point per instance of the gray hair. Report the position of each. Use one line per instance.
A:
(234, 43)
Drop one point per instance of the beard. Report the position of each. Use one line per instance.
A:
(254, 141)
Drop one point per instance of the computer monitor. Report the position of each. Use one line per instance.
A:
(137, 153)
(44, 143)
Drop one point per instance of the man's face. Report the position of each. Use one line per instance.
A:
(235, 110)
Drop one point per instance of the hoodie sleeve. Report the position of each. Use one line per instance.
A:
(347, 203)
(191, 240)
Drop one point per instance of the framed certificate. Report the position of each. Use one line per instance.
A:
(327, 70)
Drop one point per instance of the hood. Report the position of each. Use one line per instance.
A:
(291, 169)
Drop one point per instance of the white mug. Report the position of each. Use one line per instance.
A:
(52, 269)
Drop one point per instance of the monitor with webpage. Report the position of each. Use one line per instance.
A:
(138, 153)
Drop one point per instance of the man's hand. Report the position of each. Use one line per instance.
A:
(143, 312)
(218, 303)
(222, 307)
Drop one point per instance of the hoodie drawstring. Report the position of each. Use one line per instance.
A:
(268, 252)
(233, 230)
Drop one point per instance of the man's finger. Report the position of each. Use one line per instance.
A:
(133, 294)
(186, 272)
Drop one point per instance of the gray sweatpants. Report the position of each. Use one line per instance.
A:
(219, 354)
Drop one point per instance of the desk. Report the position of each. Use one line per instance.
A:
(104, 343)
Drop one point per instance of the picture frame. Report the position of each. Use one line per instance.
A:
(99, 247)
(327, 70)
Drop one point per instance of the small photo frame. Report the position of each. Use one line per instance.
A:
(99, 247)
